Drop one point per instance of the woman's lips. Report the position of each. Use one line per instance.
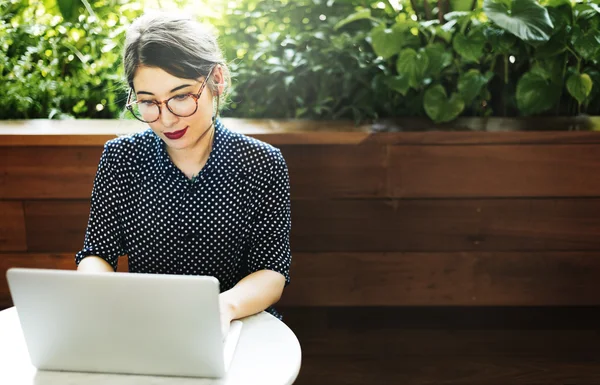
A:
(176, 134)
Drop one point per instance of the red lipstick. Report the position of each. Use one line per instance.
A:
(176, 134)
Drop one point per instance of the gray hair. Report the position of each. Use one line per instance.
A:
(176, 44)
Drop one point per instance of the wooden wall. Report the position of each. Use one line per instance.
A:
(382, 223)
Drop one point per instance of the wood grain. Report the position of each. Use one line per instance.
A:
(48, 172)
(336, 171)
(384, 225)
(494, 171)
(446, 225)
(466, 346)
(12, 226)
(444, 279)
(56, 226)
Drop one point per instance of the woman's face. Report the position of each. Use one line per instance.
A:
(153, 83)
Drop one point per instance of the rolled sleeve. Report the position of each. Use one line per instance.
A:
(103, 237)
(270, 238)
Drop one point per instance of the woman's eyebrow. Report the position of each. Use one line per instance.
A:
(173, 90)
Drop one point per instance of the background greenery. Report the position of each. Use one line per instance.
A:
(321, 59)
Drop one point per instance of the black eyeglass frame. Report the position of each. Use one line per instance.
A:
(129, 105)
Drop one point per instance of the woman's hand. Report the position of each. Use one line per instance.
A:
(227, 315)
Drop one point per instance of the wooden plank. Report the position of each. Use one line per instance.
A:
(384, 225)
(58, 261)
(96, 132)
(444, 279)
(494, 171)
(48, 172)
(448, 370)
(56, 226)
(12, 226)
(446, 225)
(336, 171)
(466, 346)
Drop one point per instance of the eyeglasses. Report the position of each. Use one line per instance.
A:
(149, 111)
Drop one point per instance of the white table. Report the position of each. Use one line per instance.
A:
(268, 353)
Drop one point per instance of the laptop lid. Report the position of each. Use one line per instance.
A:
(122, 322)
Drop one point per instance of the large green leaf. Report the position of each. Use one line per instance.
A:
(439, 58)
(579, 86)
(470, 48)
(387, 41)
(500, 40)
(413, 66)
(555, 46)
(561, 16)
(535, 94)
(558, 3)
(439, 107)
(364, 13)
(400, 83)
(550, 69)
(526, 19)
(471, 83)
(586, 44)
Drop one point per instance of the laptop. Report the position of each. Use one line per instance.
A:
(128, 323)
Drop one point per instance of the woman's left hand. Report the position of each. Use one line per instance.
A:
(226, 315)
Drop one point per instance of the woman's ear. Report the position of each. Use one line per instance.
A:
(219, 80)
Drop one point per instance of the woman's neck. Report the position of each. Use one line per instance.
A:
(192, 159)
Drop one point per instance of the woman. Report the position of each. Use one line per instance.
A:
(188, 196)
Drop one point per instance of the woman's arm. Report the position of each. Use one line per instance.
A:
(94, 264)
(103, 236)
(254, 293)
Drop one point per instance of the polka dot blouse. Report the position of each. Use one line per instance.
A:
(231, 220)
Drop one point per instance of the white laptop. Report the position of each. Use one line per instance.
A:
(146, 324)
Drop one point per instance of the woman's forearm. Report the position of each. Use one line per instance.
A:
(94, 264)
(253, 294)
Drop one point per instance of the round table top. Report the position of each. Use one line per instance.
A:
(268, 353)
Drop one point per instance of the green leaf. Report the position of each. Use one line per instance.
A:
(470, 84)
(561, 16)
(535, 94)
(587, 45)
(550, 69)
(470, 48)
(445, 31)
(558, 3)
(69, 9)
(439, 58)
(579, 86)
(439, 108)
(362, 14)
(500, 40)
(398, 83)
(413, 66)
(526, 19)
(387, 41)
(555, 46)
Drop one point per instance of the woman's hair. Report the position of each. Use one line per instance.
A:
(176, 44)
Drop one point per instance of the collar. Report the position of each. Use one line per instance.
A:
(223, 158)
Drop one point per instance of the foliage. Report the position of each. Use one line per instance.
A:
(321, 59)
(55, 68)
(291, 63)
(507, 58)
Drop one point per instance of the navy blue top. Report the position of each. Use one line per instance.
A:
(231, 220)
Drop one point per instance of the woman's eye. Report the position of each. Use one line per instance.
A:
(181, 97)
(146, 102)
